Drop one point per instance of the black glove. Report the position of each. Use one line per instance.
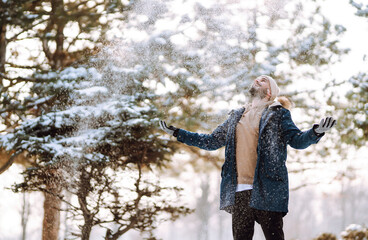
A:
(173, 131)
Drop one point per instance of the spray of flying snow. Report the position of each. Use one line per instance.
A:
(194, 44)
(220, 38)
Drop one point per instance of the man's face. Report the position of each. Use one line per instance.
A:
(260, 88)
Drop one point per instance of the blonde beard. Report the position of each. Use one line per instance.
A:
(258, 93)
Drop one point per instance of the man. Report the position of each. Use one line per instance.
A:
(254, 184)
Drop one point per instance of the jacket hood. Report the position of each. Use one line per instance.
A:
(282, 101)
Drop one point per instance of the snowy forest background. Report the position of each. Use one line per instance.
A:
(84, 84)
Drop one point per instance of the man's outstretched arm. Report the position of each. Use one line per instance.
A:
(303, 139)
(213, 141)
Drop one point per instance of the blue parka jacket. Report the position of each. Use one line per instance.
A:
(276, 130)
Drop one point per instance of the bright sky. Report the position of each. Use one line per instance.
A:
(356, 37)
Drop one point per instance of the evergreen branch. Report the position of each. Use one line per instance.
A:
(213, 160)
(13, 65)
(73, 41)
(29, 106)
(312, 162)
(334, 84)
(308, 91)
(15, 37)
(38, 102)
(19, 79)
(81, 3)
(304, 185)
(84, 13)
(309, 184)
(134, 220)
(300, 170)
(84, 38)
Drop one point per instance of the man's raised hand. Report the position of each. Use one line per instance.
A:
(169, 129)
(325, 125)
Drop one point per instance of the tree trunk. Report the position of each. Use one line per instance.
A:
(52, 204)
(3, 44)
(86, 230)
(51, 217)
(83, 192)
(59, 18)
(25, 215)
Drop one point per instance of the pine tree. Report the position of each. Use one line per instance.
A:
(13, 15)
(54, 33)
(354, 120)
(99, 143)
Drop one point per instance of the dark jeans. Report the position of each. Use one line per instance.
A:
(244, 217)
